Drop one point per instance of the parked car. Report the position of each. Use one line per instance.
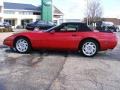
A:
(106, 26)
(118, 28)
(69, 36)
(5, 25)
(39, 25)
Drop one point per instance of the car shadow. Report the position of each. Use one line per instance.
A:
(106, 55)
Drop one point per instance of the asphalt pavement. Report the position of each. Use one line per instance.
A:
(50, 70)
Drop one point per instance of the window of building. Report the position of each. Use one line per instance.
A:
(10, 21)
(9, 12)
(55, 22)
(38, 19)
(36, 13)
(25, 13)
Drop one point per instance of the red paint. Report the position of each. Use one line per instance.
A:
(64, 40)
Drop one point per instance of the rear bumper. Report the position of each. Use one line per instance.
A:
(109, 43)
(114, 41)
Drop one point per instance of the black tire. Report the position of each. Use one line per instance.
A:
(13, 49)
(92, 50)
(26, 46)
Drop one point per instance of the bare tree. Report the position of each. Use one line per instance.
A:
(94, 11)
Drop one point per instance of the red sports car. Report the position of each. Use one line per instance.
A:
(67, 36)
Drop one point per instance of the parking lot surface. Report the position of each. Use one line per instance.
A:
(46, 70)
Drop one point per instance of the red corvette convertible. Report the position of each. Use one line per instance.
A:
(67, 36)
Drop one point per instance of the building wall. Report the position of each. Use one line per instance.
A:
(114, 20)
(18, 16)
(71, 20)
(1, 10)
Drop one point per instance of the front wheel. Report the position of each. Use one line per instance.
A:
(89, 48)
(22, 45)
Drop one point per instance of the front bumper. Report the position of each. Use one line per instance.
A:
(8, 43)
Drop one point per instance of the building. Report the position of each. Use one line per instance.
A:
(18, 14)
(116, 21)
(72, 20)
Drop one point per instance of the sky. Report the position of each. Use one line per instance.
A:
(75, 9)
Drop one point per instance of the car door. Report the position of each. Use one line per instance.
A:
(63, 37)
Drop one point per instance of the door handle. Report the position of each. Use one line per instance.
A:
(74, 35)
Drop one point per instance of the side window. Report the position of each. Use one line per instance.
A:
(84, 27)
(69, 28)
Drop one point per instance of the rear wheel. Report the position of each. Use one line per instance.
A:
(89, 48)
(22, 45)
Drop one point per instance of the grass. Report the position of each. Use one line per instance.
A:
(6, 30)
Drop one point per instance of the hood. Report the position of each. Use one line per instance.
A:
(27, 32)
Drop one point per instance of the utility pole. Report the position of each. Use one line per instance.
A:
(87, 13)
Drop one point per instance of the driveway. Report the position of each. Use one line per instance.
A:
(46, 70)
